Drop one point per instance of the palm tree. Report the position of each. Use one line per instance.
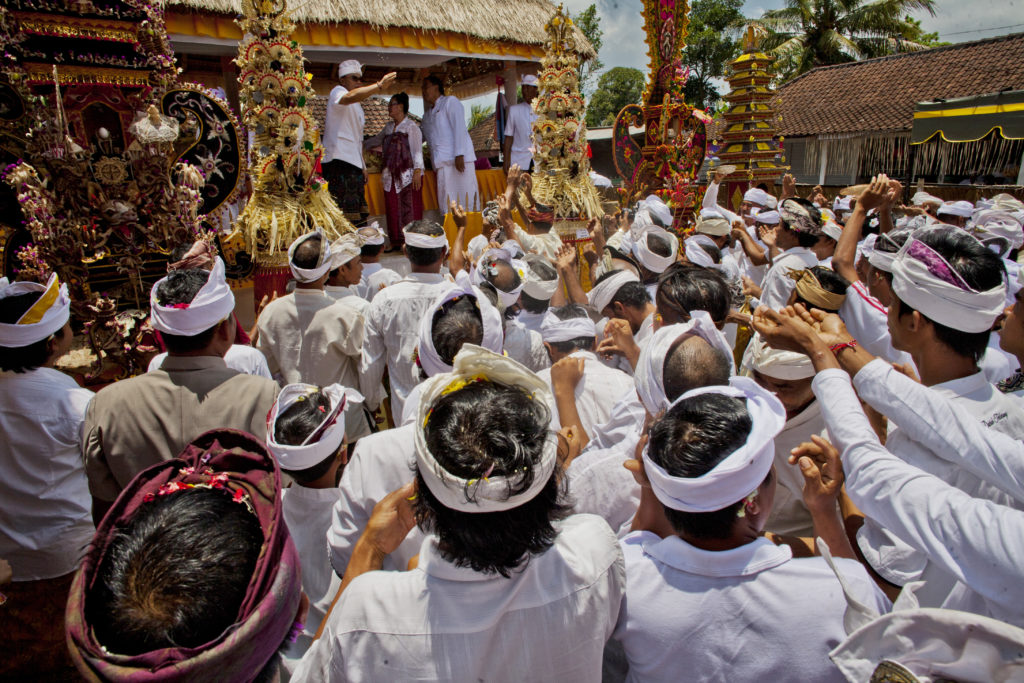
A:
(808, 33)
(479, 113)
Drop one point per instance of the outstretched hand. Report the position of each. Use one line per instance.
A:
(785, 329)
(458, 214)
(876, 194)
(392, 520)
(822, 468)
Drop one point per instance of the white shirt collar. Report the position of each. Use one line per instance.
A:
(745, 560)
(308, 292)
(426, 278)
(962, 386)
(434, 565)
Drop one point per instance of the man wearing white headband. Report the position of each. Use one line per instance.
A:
(700, 558)
(955, 213)
(343, 164)
(539, 287)
(570, 335)
(500, 552)
(519, 128)
(799, 229)
(507, 278)
(285, 322)
(948, 291)
(306, 435)
(375, 276)
(654, 249)
(619, 296)
(392, 324)
(346, 271)
(45, 524)
(138, 422)
(451, 148)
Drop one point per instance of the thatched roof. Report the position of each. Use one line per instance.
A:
(521, 21)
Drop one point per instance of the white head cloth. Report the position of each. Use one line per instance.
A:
(659, 209)
(882, 260)
(490, 317)
(842, 204)
(832, 229)
(538, 288)
(756, 195)
(349, 66)
(529, 79)
(323, 441)
(324, 263)
(476, 248)
(650, 368)
(696, 255)
(767, 217)
(212, 303)
(866, 246)
(647, 258)
(960, 208)
(513, 248)
(741, 472)
(554, 330)
(45, 317)
(487, 494)
(377, 236)
(925, 281)
(344, 249)
(779, 364)
(1001, 224)
(712, 222)
(416, 239)
(922, 198)
(605, 290)
(507, 298)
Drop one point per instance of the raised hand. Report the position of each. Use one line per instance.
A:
(875, 195)
(822, 468)
(567, 372)
(391, 520)
(458, 214)
(784, 329)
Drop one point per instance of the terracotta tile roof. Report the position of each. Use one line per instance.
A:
(482, 135)
(879, 94)
(375, 109)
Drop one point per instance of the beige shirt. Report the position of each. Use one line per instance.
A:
(331, 350)
(138, 422)
(282, 330)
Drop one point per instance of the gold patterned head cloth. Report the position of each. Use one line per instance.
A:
(809, 288)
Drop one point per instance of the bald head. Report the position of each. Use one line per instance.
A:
(693, 363)
(501, 274)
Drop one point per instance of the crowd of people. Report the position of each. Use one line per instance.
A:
(783, 448)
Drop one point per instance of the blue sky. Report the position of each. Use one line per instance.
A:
(955, 21)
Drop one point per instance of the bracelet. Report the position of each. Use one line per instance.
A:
(836, 348)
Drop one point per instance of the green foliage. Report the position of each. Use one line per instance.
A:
(808, 33)
(479, 113)
(616, 88)
(710, 45)
(589, 23)
(916, 34)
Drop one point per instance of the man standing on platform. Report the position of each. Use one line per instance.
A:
(451, 149)
(519, 128)
(343, 165)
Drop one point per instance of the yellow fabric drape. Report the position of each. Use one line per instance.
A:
(491, 183)
(474, 226)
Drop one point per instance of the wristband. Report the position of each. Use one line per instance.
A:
(836, 348)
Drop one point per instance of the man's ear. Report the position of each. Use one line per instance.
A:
(547, 347)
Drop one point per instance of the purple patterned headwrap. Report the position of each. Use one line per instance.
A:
(239, 463)
(801, 216)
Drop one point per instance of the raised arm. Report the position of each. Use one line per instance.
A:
(361, 93)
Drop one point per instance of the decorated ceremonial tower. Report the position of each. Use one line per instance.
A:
(674, 144)
(748, 139)
(289, 196)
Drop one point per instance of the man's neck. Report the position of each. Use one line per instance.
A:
(637, 316)
(370, 259)
(426, 270)
(937, 364)
(309, 285)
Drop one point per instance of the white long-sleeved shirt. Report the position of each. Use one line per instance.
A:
(525, 346)
(547, 621)
(977, 541)
(331, 351)
(777, 284)
(343, 129)
(375, 278)
(282, 326)
(546, 244)
(392, 334)
(350, 295)
(444, 126)
(597, 392)
(790, 516)
(45, 507)
(752, 613)
(867, 320)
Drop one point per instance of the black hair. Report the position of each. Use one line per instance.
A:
(23, 358)
(491, 429)
(175, 575)
(436, 81)
(370, 250)
(403, 100)
(692, 363)
(543, 208)
(545, 271)
(830, 281)
(631, 295)
(689, 441)
(419, 256)
(307, 254)
(179, 252)
(979, 267)
(569, 312)
(296, 423)
(686, 287)
(659, 244)
(456, 323)
(804, 239)
(180, 287)
(890, 243)
(711, 250)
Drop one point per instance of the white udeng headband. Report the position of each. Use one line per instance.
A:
(378, 237)
(648, 259)
(493, 338)
(345, 248)
(779, 364)
(537, 288)
(603, 292)
(554, 330)
(416, 239)
(696, 255)
(650, 368)
(45, 317)
(325, 263)
(211, 304)
(925, 281)
(742, 471)
(323, 441)
(487, 494)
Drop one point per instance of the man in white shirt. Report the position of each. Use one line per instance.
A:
(375, 276)
(539, 285)
(451, 148)
(501, 596)
(392, 323)
(619, 296)
(45, 523)
(519, 128)
(698, 551)
(799, 229)
(347, 272)
(342, 163)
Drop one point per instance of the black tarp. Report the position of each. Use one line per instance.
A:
(968, 119)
